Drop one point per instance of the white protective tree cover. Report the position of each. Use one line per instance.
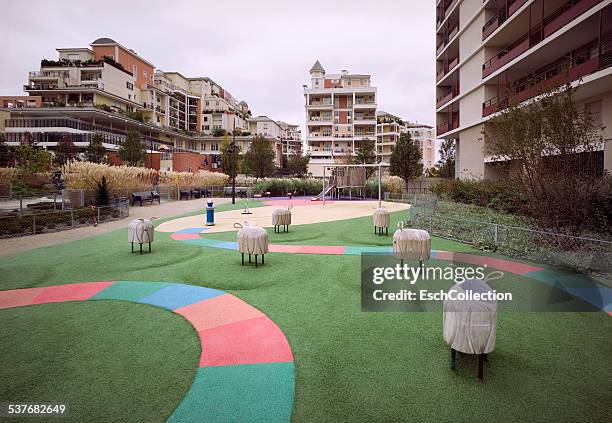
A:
(411, 244)
(470, 326)
(281, 217)
(140, 231)
(252, 240)
(381, 218)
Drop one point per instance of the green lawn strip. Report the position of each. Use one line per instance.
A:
(109, 360)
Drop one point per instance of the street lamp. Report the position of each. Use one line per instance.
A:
(231, 150)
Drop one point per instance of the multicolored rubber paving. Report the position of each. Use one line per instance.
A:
(576, 285)
(246, 370)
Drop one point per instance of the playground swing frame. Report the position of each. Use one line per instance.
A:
(378, 165)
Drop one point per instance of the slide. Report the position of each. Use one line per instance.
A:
(323, 193)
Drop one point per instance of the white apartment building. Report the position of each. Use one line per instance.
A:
(388, 131)
(340, 112)
(424, 136)
(495, 52)
(291, 139)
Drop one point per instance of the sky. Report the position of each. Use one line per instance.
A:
(260, 51)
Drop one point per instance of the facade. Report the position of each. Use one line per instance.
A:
(493, 53)
(340, 113)
(424, 136)
(390, 127)
(109, 89)
(291, 139)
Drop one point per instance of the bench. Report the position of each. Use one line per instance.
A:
(145, 196)
(185, 194)
(240, 191)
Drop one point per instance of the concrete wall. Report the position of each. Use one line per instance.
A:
(470, 154)
(152, 160)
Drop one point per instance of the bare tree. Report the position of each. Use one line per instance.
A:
(548, 146)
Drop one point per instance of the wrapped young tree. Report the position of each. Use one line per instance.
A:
(548, 146)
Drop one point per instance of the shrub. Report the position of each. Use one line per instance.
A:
(502, 196)
(280, 186)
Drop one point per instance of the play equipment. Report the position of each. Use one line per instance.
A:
(381, 220)
(281, 217)
(210, 213)
(140, 231)
(411, 244)
(346, 178)
(252, 240)
(470, 325)
(246, 209)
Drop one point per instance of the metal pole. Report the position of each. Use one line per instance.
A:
(324, 185)
(379, 185)
(234, 165)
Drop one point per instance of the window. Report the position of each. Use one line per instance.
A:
(73, 57)
(134, 71)
(145, 74)
(129, 85)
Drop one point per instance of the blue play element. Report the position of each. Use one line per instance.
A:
(177, 296)
(190, 231)
(600, 297)
(227, 245)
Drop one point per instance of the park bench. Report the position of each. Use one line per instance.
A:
(145, 196)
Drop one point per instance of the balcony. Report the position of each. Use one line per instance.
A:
(500, 17)
(505, 56)
(586, 60)
(447, 7)
(448, 36)
(446, 68)
(565, 14)
(447, 96)
(449, 125)
(552, 23)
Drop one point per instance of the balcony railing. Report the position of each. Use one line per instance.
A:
(500, 17)
(449, 125)
(586, 60)
(447, 96)
(565, 14)
(445, 12)
(553, 22)
(446, 68)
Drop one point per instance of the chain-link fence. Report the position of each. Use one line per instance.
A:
(13, 224)
(576, 253)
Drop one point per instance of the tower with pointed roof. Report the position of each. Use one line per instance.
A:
(317, 75)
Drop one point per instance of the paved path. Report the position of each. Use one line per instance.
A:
(167, 209)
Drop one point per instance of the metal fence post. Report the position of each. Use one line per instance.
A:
(33, 224)
(82, 198)
(20, 206)
(54, 200)
(495, 235)
(71, 217)
(430, 225)
(98, 221)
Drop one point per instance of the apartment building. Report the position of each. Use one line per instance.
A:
(340, 113)
(291, 139)
(109, 89)
(388, 131)
(424, 137)
(494, 53)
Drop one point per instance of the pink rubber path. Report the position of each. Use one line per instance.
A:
(218, 311)
(19, 297)
(70, 292)
(298, 202)
(251, 341)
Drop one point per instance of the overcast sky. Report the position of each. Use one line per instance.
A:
(260, 51)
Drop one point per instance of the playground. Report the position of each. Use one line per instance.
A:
(187, 334)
